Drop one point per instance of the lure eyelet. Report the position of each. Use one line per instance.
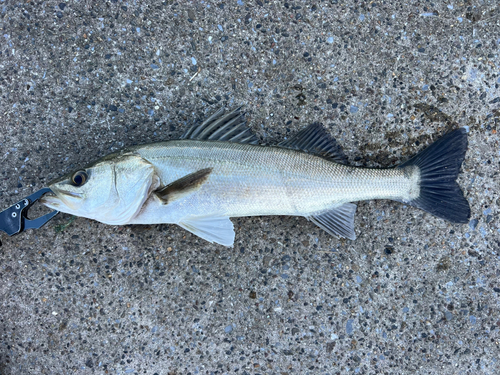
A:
(79, 178)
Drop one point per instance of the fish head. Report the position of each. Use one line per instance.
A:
(84, 191)
(111, 190)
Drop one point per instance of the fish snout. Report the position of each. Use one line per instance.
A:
(60, 198)
(50, 200)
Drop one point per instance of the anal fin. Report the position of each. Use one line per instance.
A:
(217, 229)
(183, 186)
(338, 221)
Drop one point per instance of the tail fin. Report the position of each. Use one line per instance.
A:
(439, 165)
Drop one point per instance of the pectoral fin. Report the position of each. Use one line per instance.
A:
(183, 186)
(339, 221)
(217, 229)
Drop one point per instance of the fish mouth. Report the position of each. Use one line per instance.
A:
(51, 200)
(70, 193)
(58, 198)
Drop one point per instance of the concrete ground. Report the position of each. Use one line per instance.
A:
(412, 295)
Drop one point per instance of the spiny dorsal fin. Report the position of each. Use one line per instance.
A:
(229, 127)
(183, 186)
(339, 221)
(315, 140)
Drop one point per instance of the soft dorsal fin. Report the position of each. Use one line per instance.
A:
(229, 127)
(183, 186)
(315, 140)
(339, 221)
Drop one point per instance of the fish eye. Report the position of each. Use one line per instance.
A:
(79, 178)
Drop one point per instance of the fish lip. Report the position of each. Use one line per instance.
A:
(51, 201)
(57, 198)
(67, 192)
(60, 193)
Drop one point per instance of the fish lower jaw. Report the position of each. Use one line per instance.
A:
(56, 202)
(50, 201)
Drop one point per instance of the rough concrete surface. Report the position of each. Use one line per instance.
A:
(412, 295)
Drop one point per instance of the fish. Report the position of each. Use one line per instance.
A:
(218, 170)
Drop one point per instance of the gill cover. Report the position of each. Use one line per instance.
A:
(134, 179)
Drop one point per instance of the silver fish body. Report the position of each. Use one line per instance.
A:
(217, 171)
(251, 180)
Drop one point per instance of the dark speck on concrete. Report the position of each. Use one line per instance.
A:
(62, 6)
(348, 327)
(473, 224)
